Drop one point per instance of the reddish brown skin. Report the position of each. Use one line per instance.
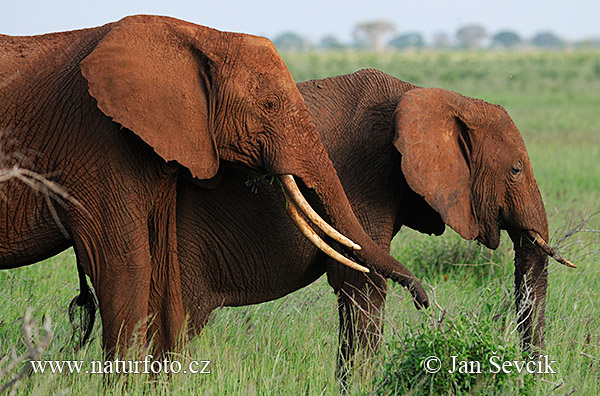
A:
(114, 115)
(233, 254)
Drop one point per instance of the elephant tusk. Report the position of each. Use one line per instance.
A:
(291, 188)
(538, 240)
(312, 236)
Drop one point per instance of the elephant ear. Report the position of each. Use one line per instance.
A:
(150, 77)
(432, 135)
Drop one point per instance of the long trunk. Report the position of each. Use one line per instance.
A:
(531, 281)
(330, 194)
(306, 159)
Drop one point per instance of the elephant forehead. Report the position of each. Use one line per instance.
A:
(261, 58)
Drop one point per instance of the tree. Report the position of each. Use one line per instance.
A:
(547, 40)
(370, 34)
(506, 39)
(589, 43)
(331, 42)
(408, 40)
(442, 40)
(471, 36)
(291, 41)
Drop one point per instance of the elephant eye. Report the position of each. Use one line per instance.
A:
(517, 168)
(271, 104)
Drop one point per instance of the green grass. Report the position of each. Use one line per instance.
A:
(288, 346)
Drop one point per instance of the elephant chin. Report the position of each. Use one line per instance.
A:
(490, 235)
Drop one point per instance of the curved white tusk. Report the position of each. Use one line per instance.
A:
(538, 240)
(292, 190)
(312, 236)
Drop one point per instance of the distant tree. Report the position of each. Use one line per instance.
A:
(370, 34)
(471, 36)
(408, 40)
(547, 40)
(442, 40)
(589, 43)
(506, 39)
(331, 42)
(291, 41)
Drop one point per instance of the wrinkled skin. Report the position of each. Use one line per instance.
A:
(391, 144)
(114, 115)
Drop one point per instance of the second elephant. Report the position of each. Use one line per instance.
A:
(406, 156)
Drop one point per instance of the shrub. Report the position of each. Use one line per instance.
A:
(405, 371)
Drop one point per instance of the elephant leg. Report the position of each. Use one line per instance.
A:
(197, 319)
(118, 263)
(360, 303)
(165, 298)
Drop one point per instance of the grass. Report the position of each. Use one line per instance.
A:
(288, 346)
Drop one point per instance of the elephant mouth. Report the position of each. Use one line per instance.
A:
(297, 204)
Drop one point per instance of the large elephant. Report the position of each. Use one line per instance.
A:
(418, 157)
(115, 115)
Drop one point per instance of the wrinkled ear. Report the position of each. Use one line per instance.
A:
(433, 139)
(147, 76)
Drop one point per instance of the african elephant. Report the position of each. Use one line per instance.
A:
(115, 115)
(406, 156)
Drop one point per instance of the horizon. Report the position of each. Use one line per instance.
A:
(316, 19)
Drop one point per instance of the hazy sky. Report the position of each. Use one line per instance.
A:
(571, 19)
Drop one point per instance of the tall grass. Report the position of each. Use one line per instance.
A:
(289, 346)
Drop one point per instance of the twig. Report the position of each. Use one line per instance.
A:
(383, 383)
(577, 229)
(50, 189)
(34, 352)
(590, 356)
(586, 254)
(556, 384)
(570, 392)
(527, 303)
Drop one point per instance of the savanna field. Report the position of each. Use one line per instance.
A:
(288, 346)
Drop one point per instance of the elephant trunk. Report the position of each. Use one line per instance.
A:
(531, 281)
(307, 160)
(330, 194)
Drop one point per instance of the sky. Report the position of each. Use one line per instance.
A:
(572, 19)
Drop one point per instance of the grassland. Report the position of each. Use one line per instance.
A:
(288, 346)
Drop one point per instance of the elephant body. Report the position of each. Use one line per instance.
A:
(114, 115)
(232, 254)
(52, 125)
(220, 230)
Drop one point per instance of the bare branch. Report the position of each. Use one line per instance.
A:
(527, 303)
(51, 190)
(34, 351)
(581, 227)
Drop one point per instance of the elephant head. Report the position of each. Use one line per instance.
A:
(199, 96)
(467, 159)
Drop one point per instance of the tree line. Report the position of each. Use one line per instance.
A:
(382, 35)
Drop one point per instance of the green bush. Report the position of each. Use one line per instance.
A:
(405, 371)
